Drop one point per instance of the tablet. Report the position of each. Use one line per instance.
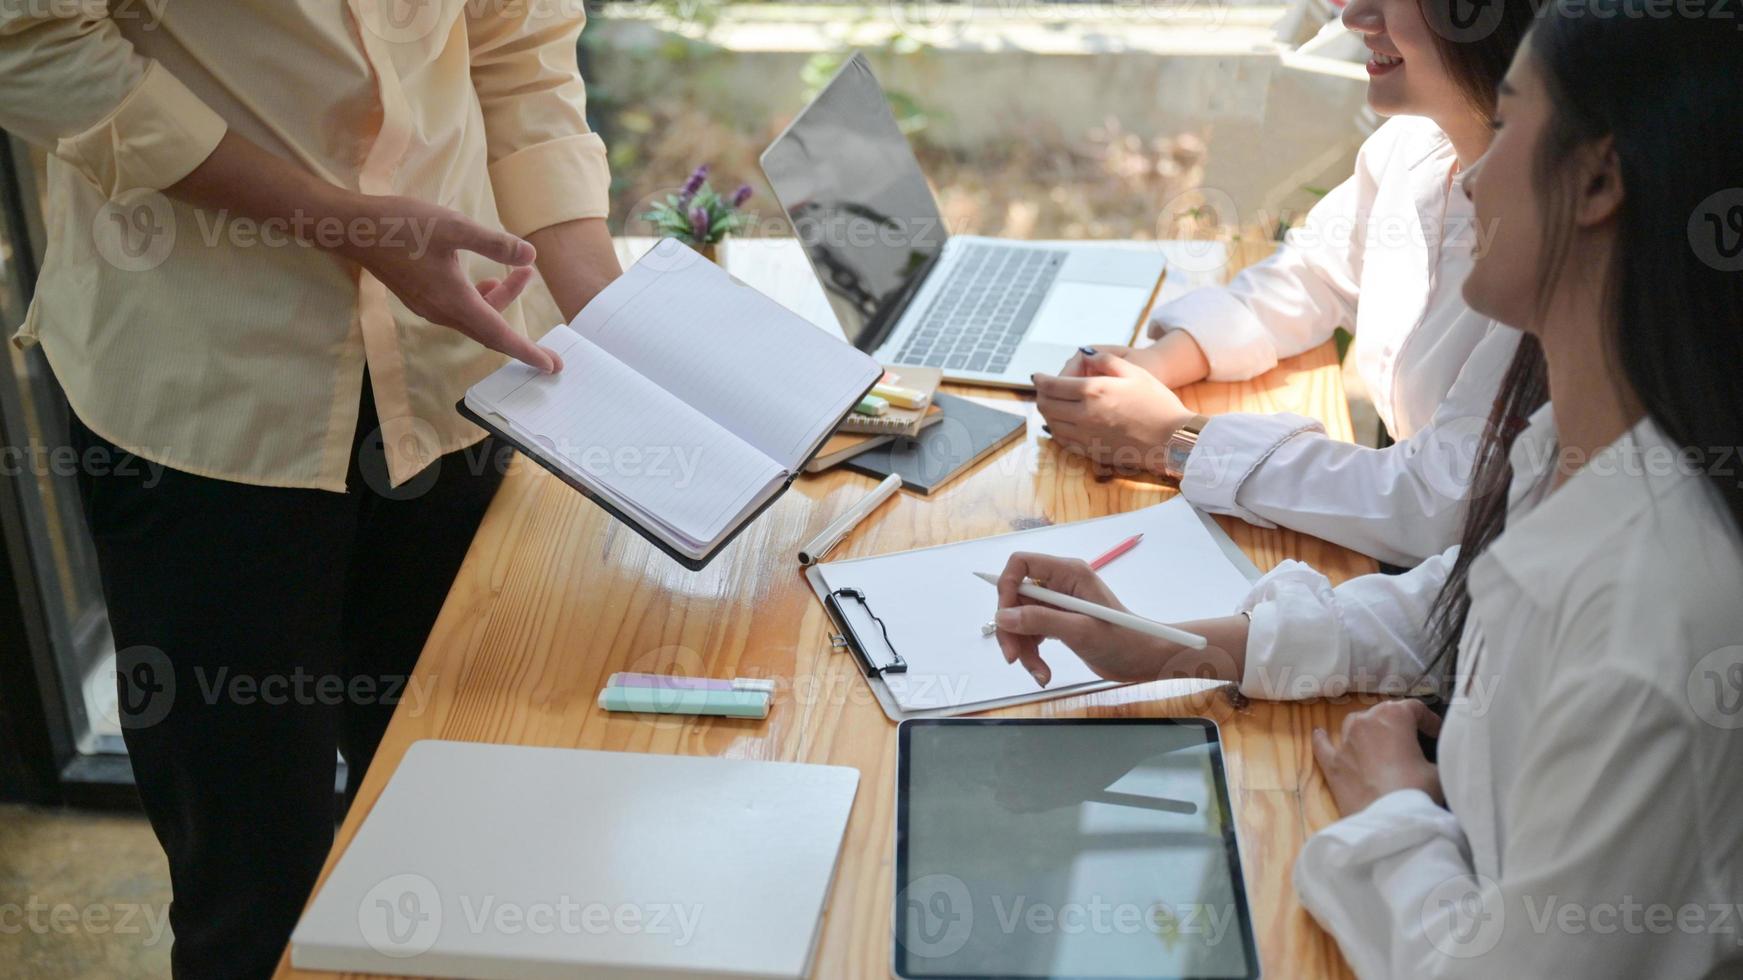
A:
(1067, 847)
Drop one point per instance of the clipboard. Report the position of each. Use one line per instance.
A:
(845, 641)
(850, 635)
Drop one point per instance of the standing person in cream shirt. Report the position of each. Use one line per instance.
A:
(1383, 254)
(1581, 818)
(284, 236)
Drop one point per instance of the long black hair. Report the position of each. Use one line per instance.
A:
(1663, 88)
(1476, 40)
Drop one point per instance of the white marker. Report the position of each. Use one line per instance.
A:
(1072, 603)
(826, 539)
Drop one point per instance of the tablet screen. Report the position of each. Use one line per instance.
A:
(1067, 848)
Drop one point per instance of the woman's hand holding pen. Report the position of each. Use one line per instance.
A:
(1113, 652)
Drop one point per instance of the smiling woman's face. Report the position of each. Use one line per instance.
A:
(1503, 283)
(1406, 75)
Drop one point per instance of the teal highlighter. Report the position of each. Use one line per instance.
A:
(686, 701)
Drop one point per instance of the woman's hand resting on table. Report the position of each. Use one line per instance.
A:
(1379, 753)
(1111, 409)
(1113, 652)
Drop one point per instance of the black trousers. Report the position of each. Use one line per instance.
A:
(260, 630)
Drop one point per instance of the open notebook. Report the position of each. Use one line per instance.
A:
(687, 403)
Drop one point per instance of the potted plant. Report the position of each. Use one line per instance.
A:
(698, 216)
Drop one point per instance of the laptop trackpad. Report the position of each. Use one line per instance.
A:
(1113, 265)
(1077, 313)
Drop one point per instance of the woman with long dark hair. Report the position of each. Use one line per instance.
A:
(1382, 254)
(1582, 818)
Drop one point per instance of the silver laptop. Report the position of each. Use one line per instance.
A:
(985, 310)
(508, 862)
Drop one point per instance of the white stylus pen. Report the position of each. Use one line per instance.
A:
(1072, 603)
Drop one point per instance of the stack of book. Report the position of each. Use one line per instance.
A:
(900, 406)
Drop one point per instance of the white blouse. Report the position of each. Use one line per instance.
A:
(1385, 254)
(1591, 755)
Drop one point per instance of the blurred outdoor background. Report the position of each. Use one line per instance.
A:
(1131, 120)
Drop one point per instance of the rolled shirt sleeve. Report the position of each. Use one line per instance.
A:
(1396, 886)
(1289, 303)
(76, 87)
(1309, 639)
(1230, 449)
(1376, 871)
(546, 167)
(1399, 504)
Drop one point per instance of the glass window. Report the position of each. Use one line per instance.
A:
(59, 567)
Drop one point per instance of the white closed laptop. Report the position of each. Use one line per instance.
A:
(516, 863)
(983, 310)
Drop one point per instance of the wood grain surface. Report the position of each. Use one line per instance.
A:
(554, 596)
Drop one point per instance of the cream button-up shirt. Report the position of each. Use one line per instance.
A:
(220, 346)
(1385, 254)
(1590, 753)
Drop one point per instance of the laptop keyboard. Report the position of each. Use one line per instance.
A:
(981, 314)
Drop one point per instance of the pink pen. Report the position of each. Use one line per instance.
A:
(988, 629)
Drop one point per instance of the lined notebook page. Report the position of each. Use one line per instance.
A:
(622, 433)
(734, 354)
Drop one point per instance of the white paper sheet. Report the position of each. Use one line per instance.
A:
(933, 606)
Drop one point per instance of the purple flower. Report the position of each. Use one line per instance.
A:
(741, 195)
(693, 185)
(699, 225)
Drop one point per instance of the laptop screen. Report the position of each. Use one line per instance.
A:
(858, 202)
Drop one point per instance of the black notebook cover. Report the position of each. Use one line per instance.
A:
(968, 433)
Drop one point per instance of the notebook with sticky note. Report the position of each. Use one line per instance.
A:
(843, 446)
(906, 394)
(688, 401)
(968, 433)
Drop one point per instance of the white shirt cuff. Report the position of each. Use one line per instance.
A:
(1295, 648)
(1234, 342)
(1402, 820)
(1229, 449)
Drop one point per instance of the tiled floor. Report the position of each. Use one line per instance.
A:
(83, 896)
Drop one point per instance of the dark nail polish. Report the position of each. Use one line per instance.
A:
(1087, 351)
(1047, 429)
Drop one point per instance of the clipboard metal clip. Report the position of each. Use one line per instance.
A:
(863, 633)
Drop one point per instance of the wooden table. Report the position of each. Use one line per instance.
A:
(554, 596)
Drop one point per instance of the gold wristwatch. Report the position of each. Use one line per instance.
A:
(1178, 447)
